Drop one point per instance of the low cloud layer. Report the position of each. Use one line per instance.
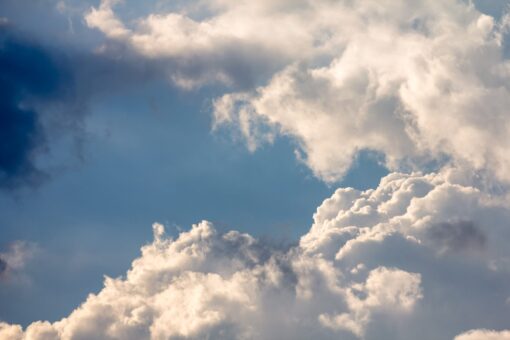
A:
(372, 266)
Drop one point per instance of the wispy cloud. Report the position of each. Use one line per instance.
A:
(14, 259)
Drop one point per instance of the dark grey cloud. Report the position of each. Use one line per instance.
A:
(458, 236)
(3, 267)
(28, 75)
(46, 91)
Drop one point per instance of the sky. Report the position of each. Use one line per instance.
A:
(285, 169)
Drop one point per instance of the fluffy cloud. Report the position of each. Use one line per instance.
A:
(401, 79)
(394, 76)
(372, 266)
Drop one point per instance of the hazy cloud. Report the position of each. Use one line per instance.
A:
(15, 257)
(47, 90)
(3, 266)
(459, 235)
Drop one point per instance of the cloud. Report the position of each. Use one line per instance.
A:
(401, 77)
(391, 289)
(458, 235)
(3, 266)
(46, 92)
(29, 75)
(367, 269)
(104, 19)
(230, 46)
(14, 259)
(421, 256)
(484, 334)
(339, 77)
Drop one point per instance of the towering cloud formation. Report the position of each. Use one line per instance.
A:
(376, 264)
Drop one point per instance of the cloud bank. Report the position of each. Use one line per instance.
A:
(372, 266)
(395, 77)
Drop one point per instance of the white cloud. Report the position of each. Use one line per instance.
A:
(400, 83)
(397, 77)
(389, 289)
(104, 19)
(484, 334)
(373, 266)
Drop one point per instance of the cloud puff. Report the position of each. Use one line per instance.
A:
(372, 266)
(396, 77)
(14, 259)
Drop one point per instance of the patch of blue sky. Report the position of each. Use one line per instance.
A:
(150, 155)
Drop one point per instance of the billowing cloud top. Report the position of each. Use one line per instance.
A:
(421, 257)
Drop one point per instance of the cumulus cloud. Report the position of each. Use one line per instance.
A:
(372, 266)
(402, 77)
(389, 289)
(396, 77)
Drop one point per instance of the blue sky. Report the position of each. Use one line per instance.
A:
(104, 136)
(109, 198)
